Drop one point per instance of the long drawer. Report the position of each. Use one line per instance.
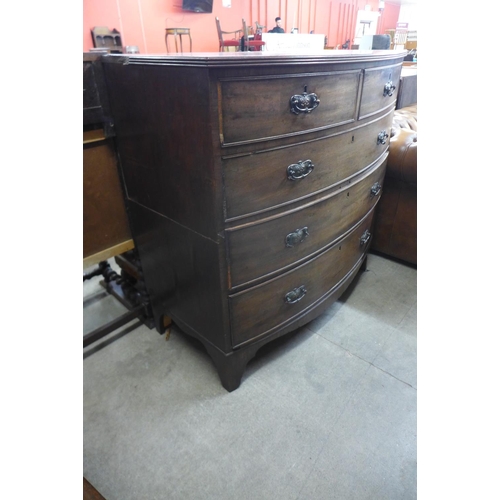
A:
(263, 308)
(272, 178)
(270, 246)
(260, 107)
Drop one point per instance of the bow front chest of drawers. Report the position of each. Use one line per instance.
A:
(250, 181)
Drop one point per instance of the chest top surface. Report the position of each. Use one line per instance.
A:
(257, 58)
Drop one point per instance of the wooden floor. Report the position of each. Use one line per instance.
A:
(90, 493)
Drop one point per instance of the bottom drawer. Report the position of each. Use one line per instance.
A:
(259, 310)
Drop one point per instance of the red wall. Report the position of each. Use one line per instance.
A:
(143, 22)
(389, 17)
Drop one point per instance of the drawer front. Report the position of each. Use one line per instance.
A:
(264, 248)
(259, 310)
(271, 179)
(380, 90)
(259, 108)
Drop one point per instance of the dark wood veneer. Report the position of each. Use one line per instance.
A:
(245, 243)
(204, 143)
(335, 158)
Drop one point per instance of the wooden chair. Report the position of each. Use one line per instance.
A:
(234, 42)
(255, 44)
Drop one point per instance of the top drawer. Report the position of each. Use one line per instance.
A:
(263, 107)
(380, 89)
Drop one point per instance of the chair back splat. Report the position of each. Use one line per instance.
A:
(259, 27)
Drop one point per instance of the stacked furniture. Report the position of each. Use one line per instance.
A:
(104, 38)
(251, 182)
(395, 229)
(106, 231)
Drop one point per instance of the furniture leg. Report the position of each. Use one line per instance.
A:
(231, 367)
(364, 264)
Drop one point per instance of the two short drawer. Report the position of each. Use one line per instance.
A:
(262, 107)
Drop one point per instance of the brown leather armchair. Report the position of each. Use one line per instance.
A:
(395, 226)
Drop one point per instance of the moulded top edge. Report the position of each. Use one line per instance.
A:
(257, 58)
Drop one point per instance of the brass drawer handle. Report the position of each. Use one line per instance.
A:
(376, 188)
(303, 103)
(365, 238)
(299, 170)
(382, 137)
(295, 295)
(298, 236)
(389, 88)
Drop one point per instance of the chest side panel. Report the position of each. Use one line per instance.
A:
(163, 124)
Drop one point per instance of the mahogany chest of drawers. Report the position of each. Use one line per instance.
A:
(251, 181)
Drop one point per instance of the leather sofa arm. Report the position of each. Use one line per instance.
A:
(405, 118)
(402, 160)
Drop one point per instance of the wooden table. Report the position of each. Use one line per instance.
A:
(178, 32)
